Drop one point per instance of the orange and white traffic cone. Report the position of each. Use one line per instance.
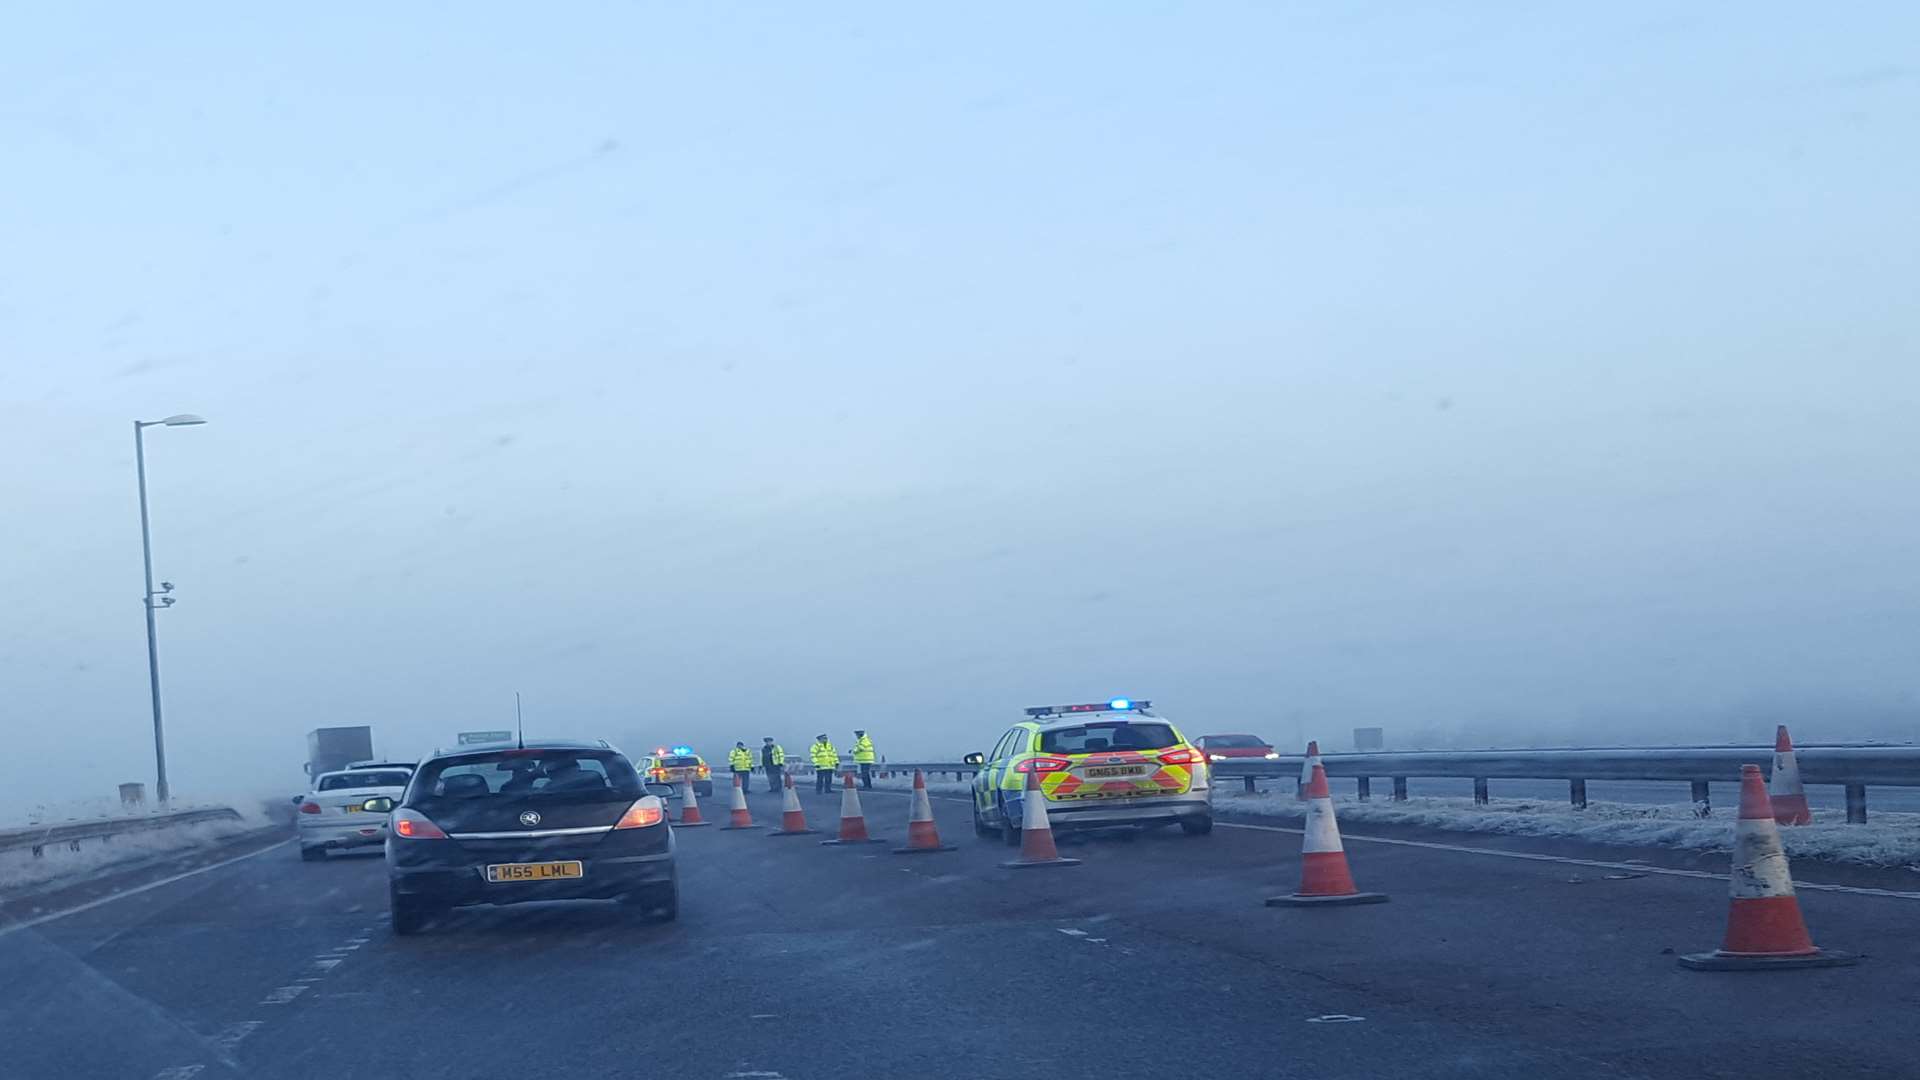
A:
(1784, 790)
(1764, 927)
(690, 808)
(1324, 877)
(738, 817)
(1306, 770)
(793, 820)
(922, 835)
(853, 821)
(1036, 836)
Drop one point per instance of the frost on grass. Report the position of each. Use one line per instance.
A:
(1889, 839)
(22, 870)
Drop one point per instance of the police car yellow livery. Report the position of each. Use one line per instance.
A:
(1099, 765)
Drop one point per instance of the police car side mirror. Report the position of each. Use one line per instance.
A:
(975, 759)
(664, 791)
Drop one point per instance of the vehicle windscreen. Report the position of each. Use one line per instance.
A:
(547, 776)
(1233, 742)
(1108, 735)
(347, 780)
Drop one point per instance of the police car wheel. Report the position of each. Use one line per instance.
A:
(979, 823)
(1197, 826)
(1009, 832)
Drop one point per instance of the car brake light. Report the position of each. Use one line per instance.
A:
(646, 810)
(414, 825)
(1185, 755)
(309, 807)
(1043, 765)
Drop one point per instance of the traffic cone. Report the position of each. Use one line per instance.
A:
(922, 836)
(1306, 770)
(1785, 792)
(738, 817)
(1764, 927)
(690, 808)
(1324, 877)
(793, 820)
(1036, 836)
(853, 822)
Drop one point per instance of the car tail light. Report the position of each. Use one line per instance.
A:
(645, 811)
(309, 807)
(1043, 765)
(705, 772)
(414, 825)
(1185, 755)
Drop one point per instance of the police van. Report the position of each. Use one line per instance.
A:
(1097, 765)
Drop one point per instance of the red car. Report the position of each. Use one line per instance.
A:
(1224, 747)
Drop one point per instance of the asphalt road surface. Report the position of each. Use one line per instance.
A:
(1497, 957)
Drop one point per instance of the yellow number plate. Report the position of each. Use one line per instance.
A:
(1118, 770)
(533, 871)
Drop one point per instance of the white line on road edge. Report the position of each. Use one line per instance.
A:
(91, 904)
(1598, 864)
(179, 1072)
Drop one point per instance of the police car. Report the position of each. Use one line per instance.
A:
(677, 766)
(1101, 764)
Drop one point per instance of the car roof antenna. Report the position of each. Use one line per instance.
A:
(519, 725)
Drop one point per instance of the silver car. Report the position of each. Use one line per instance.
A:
(333, 816)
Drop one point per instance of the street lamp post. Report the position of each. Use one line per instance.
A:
(149, 601)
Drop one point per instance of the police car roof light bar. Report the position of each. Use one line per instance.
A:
(1112, 705)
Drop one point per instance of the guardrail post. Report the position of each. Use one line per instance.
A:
(1480, 789)
(1702, 805)
(1248, 781)
(1399, 789)
(1577, 794)
(1363, 788)
(1856, 804)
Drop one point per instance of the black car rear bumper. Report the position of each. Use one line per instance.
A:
(440, 884)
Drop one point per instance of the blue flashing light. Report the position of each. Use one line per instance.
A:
(683, 751)
(1119, 704)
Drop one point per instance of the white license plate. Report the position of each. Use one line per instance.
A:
(1116, 770)
(539, 871)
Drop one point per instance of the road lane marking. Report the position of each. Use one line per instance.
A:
(280, 995)
(179, 1072)
(326, 963)
(234, 1034)
(1567, 860)
(91, 904)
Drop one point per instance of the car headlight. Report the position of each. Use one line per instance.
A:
(1216, 757)
(1273, 755)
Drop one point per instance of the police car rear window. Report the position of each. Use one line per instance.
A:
(1112, 735)
(678, 762)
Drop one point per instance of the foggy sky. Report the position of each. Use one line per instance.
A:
(1482, 373)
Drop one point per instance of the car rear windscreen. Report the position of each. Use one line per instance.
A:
(679, 762)
(1233, 742)
(1110, 735)
(540, 775)
(346, 780)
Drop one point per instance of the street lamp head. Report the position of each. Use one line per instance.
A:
(183, 420)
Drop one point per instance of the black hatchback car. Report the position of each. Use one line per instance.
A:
(543, 821)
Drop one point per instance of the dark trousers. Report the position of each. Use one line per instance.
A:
(822, 781)
(745, 776)
(866, 776)
(773, 778)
